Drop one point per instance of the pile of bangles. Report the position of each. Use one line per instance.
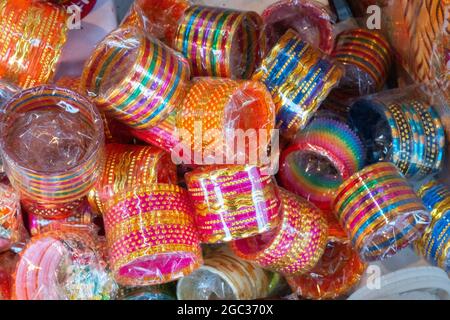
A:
(207, 153)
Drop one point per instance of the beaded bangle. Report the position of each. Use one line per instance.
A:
(220, 42)
(379, 211)
(299, 78)
(295, 247)
(232, 202)
(151, 236)
(85, 6)
(60, 166)
(32, 37)
(138, 80)
(333, 149)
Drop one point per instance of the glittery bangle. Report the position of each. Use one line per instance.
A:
(137, 80)
(220, 42)
(32, 37)
(151, 236)
(232, 202)
(295, 246)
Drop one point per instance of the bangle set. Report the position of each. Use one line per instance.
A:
(137, 80)
(151, 235)
(299, 78)
(379, 211)
(232, 202)
(295, 246)
(31, 41)
(220, 42)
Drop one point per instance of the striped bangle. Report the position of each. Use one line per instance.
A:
(232, 202)
(220, 42)
(151, 236)
(31, 41)
(295, 246)
(139, 81)
(379, 211)
(299, 78)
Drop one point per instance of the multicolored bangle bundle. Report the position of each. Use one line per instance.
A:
(151, 235)
(295, 246)
(379, 211)
(31, 41)
(138, 80)
(299, 78)
(232, 202)
(435, 242)
(321, 157)
(219, 42)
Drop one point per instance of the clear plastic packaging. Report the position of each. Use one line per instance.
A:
(380, 211)
(7, 91)
(11, 224)
(157, 292)
(8, 261)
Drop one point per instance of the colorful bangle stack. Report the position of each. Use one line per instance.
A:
(220, 42)
(151, 236)
(379, 211)
(435, 242)
(32, 37)
(299, 78)
(85, 6)
(295, 246)
(52, 143)
(232, 202)
(366, 51)
(321, 157)
(137, 80)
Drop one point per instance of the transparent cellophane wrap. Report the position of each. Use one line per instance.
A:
(11, 224)
(156, 292)
(63, 265)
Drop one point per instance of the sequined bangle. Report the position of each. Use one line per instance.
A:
(232, 202)
(220, 42)
(320, 158)
(151, 236)
(379, 211)
(295, 246)
(32, 37)
(299, 78)
(135, 79)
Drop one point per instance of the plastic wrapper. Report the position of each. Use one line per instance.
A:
(135, 79)
(299, 78)
(232, 202)
(62, 266)
(157, 292)
(319, 159)
(126, 167)
(151, 235)
(380, 211)
(224, 277)
(52, 143)
(11, 224)
(220, 42)
(310, 19)
(7, 91)
(434, 245)
(32, 37)
(295, 246)
(84, 6)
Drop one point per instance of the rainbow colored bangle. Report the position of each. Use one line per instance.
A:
(295, 246)
(299, 78)
(137, 80)
(379, 211)
(219, 42)
(232, 202)
(33, 34)
(334, 143)
(151, 236)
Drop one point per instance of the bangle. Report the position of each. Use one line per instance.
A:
(151, 236)
(33, 34)
(321, 157)
(137, 80)
(85, 6)
(295, 246)
(299, 78)
(232, 202)
(220, 42)
(379, 211)
(52, 142)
